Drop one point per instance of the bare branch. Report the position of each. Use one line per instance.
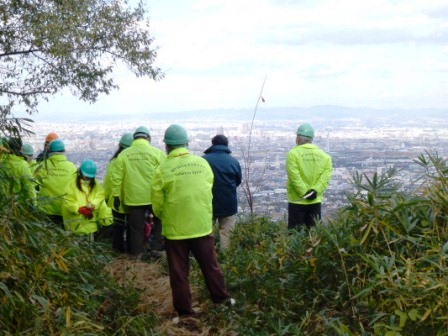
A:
(13, 53)
(24, 94)
(247, 158)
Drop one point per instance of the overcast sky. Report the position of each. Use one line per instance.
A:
(358, 53)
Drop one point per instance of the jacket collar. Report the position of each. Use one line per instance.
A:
(178, 152)
(57, 156)
(140, 142)
(218, 148)
(307, 145)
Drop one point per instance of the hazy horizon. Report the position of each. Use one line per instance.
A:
(246, 114)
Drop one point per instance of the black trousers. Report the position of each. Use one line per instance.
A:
(119, 227)
(136, 230)
(301, 214)
(137, 226)
(57, 220)
(157, 241)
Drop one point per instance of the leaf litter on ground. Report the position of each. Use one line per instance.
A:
(152, 280)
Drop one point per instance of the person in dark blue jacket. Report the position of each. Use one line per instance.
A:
(227, 173)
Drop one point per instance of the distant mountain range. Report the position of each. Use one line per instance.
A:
(266, 114)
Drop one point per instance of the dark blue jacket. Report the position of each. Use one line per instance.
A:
(227, 172)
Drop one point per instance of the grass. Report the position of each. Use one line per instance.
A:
(377, 267)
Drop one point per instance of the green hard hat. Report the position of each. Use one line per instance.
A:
(27, 149)
(175, 135)
(57, 146)
(88, 168)
(140, 131)
(306, 130)
(126, 140)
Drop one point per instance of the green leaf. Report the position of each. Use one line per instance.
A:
(445, 247)
(392, 333)
(403, 317)
(414, 315)
(5, 289)
(41, 300)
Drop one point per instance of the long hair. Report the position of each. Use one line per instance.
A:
(79, 177)
(119, 150)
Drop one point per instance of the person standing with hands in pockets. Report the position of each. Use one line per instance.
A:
(227, 177)
(309, 171)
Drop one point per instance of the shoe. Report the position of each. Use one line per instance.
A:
(157, 254)
(229, 302)
(135, 256)
(188, 322)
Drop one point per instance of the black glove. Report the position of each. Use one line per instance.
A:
(116, 203)
(310, 194)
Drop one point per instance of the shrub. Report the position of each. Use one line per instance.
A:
(378, 267)
(52, 282)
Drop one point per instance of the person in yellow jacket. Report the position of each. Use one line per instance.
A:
(182, 198)
(53, 175)
(28, 153)
(19, 179)
(44, 154)
(120, 215)
(83, 207)
(309, 171)
(131, 185)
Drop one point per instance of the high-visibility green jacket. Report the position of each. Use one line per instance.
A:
(54, 175)
(75, 198)
(134, 171)
(182, 195)
(33, 166)
(111, 167)
(22, 182)
(308, 167)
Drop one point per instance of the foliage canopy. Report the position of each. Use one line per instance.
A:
(48, 46)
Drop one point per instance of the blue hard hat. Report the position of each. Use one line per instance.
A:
(57, 146)
(88, 168)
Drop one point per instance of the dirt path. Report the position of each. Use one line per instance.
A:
(152, 280)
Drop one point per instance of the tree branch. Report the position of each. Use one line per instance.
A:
(13, 53)
(23, 94)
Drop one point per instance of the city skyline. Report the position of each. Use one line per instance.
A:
(371, 146)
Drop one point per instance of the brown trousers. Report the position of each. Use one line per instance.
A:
(203, 250)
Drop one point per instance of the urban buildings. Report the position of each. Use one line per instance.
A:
(359, 145)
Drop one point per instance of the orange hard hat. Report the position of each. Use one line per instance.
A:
(51, 136)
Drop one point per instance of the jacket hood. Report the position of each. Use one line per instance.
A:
(217, 148)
